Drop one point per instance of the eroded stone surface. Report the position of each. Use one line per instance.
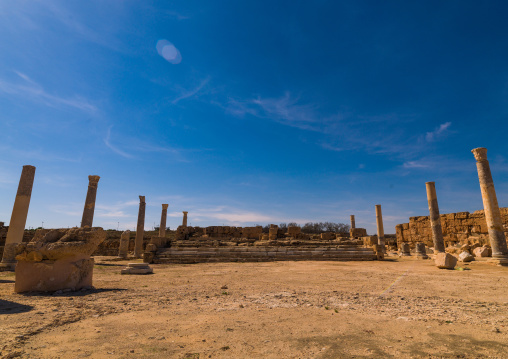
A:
(445, 261)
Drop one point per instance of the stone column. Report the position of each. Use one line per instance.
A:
(352, 217)
(18, 216)
(380, 230)
(140, 229)
(492, 213)
(123, 250)
(435, 219)
(87, 219)
(164, 216)
(184, 222)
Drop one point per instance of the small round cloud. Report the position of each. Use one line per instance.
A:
(168, 51)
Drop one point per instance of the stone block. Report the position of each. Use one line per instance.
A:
(357, 232)
(445, 261)
(294, 231)
(482, 252)
(328, 236)
(137, 268)
(73, 272)
(466, 257)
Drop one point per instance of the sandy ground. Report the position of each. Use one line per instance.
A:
(398, 308)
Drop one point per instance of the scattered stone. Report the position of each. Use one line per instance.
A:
(445, 261)
(137, 268)
(466, 257)
(482, 252)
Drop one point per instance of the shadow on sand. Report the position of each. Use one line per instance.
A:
(8, 307)
(78, 293)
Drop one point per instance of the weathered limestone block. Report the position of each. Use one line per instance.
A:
(420, 250)
(405, 250)
(357, 232)
(328, 236)
(482, 252)
(124, 244)
(252, 232)
(57, 259)
(445, 261)
(466, 257)
(294, 231)
(273, 232)
(71, 273)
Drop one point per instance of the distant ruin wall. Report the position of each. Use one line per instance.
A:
(460, 227)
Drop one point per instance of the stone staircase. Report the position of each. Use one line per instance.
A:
(206, 254)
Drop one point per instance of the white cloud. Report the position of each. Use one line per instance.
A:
(415, 164)
(187, 94)
(34, 92)
(438, 132)
(114, 148)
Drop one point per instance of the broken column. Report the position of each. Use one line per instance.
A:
(184, 222)
(352, 217)
(379, 222)
(435, 219)
(140, 229)
(490, 205)
(57, 259)
(421, 251)
(18, 217)
(405, 249)
(272, 232)
(164, 216)
(87, 219)
(123, 250)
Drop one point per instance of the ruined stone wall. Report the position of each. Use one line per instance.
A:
(461, 227)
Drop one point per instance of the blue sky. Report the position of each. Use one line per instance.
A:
(251, 112)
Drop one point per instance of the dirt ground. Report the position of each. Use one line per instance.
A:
(397, 308)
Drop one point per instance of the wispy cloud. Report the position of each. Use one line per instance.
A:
(440, 131)
(191, 93)
(287, 110)
(107, 142)
(415, 164)
(117, 210)
(31, 90)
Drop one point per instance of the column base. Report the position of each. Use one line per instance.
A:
(499, 261)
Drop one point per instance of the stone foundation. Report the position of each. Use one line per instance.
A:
(71, 273)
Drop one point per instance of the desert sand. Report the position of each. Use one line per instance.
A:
(397, 308)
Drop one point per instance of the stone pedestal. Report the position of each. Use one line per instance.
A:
(421, 252)
(88, 211)
(18, 217)
(72, 273)
(140, 229)
(352, 218)
(491, 207)
(435, 219)
(184, 221)
(123, 249)
(405, 250)
(137, 268)
(164, 216)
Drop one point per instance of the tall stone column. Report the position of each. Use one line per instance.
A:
(140, 229)
(164, 216)
(88, 211)
(353, 225)
(492, 213)
(380, 230)
(435, 219)
(184, 222)
(18, 217)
